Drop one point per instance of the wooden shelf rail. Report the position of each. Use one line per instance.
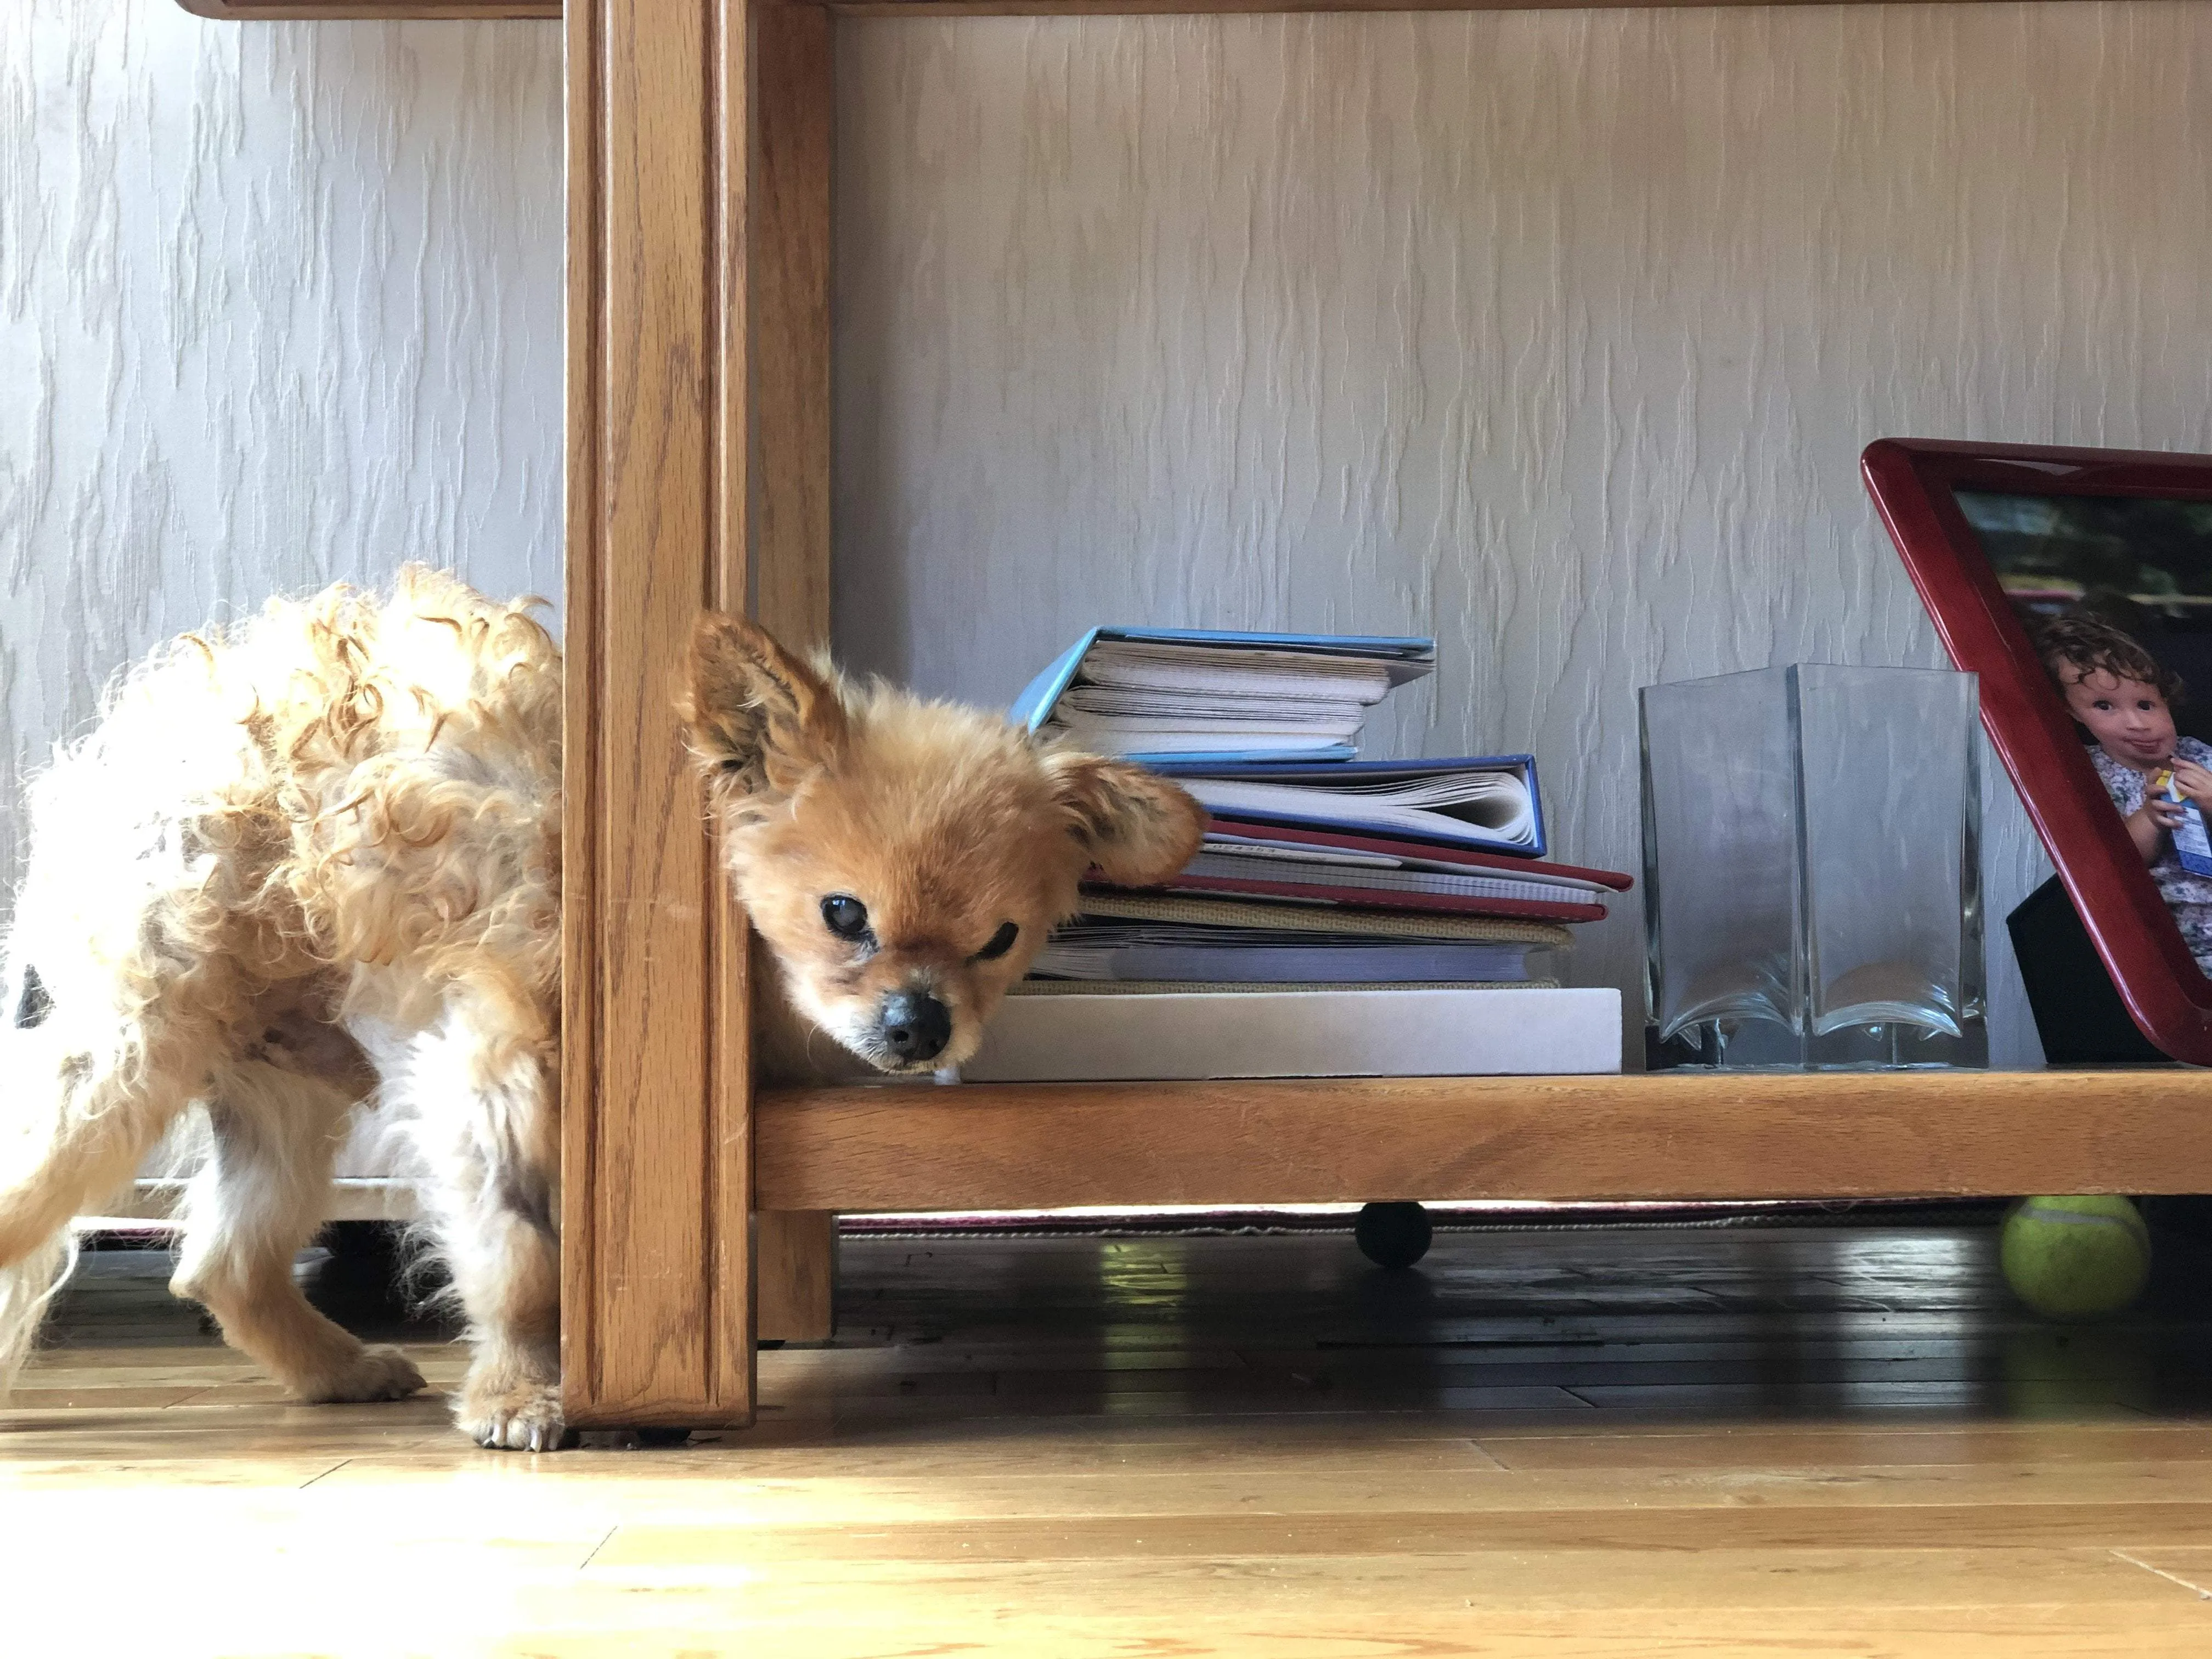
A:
(1834, 1134)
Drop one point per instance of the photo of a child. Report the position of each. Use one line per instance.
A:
(2116, 593)
(2123, 700)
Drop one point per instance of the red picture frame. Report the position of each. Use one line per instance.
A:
(1912, 482)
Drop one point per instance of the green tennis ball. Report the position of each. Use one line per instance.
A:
(2074, 1258)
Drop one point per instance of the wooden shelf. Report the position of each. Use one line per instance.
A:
(698, 349)
(1834, 1135)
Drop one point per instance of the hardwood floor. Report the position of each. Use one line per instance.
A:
(1779, 1440)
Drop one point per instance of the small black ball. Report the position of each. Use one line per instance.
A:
(1393, 1234)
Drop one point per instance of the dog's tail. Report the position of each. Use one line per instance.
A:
(25, 1286)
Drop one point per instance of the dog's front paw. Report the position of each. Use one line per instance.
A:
(521, 1417)
(380, 1373)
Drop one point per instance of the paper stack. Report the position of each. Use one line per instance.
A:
(1342, 918)
(1161, 694)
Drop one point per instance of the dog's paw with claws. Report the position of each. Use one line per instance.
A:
(524, 1416)
(378, 1373)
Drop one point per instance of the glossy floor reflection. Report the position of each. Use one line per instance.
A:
(1771, 1321)
(1796, 1440)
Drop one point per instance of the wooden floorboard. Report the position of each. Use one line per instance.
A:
(1625, 1443)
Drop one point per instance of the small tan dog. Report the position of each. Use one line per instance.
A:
(334, 830)
(903, 860)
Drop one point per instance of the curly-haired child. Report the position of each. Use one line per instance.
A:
(2124, 699)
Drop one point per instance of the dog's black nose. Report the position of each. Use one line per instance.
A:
(914, 1025)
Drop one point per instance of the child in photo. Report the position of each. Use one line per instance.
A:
(2119, 695)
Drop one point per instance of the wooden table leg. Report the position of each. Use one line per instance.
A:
(697, 224)
(796, 1250)
(795, 1274)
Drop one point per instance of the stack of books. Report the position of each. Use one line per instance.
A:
(1342, 918)
(1159, 695)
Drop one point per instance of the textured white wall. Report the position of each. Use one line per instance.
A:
(1555, 334)
(279, 304)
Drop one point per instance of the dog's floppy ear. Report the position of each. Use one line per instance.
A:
(754, 715)
(1138, 827)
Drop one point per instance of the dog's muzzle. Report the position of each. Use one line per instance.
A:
(913, 1025)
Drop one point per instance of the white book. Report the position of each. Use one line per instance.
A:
(1097, 731)
(1205, 672)
(1382, 1033)
(1122, 699)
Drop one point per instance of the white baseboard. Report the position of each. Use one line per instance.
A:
(353, 1198)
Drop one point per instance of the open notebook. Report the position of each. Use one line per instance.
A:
(1488, 802)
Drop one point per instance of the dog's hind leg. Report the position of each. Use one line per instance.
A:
(486, 1117)
(258, 1199)
(80, 1116)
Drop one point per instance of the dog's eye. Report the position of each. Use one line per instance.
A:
(1001, 942)
(845, 916)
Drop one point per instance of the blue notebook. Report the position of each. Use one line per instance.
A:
(1401, 658)
(1491, 801)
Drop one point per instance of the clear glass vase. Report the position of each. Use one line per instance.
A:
(1811, 869)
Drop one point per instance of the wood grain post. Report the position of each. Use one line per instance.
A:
(796, 1274)
(789, 240)
(795, 1266)
(666, 150)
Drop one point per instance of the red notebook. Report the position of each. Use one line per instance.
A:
(1337, 868)
(1371, 898)
(1541, 870)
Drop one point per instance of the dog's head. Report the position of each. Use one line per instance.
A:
(903, 858)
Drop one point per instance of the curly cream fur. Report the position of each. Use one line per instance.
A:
(343, 807)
